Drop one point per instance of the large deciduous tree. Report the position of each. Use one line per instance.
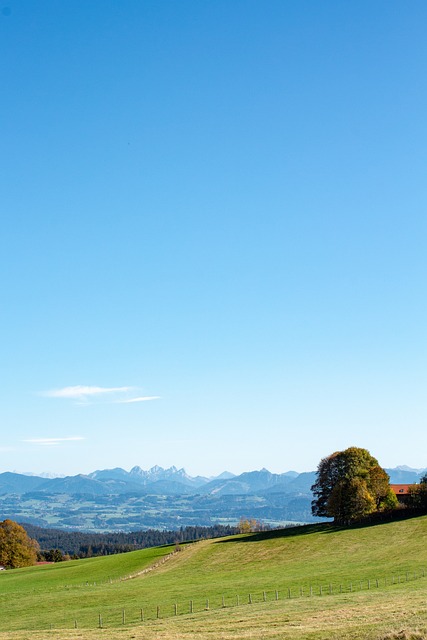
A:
(350, 484)
(17, 549)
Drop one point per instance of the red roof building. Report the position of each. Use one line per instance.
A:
(402, 491)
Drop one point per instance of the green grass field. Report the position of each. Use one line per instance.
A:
(307, 582)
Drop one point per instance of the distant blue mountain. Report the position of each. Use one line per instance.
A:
(405, 475)
(18, 483)
(119, 500)
(174, 481)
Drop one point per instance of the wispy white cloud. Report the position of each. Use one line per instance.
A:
(52, 442)
(84, 394)
(81, 392)
(138, 399)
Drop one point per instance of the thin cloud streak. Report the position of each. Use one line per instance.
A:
(86, 394)
(80, 392)
(49, 442)
(139, 399)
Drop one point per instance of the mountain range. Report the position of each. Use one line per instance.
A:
(174, 481)
(115, 499)
(158, 481)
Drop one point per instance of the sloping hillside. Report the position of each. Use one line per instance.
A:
(313, 568)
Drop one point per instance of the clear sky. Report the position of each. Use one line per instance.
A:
(213, 233)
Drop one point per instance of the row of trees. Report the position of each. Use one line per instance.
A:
(18, 549)
(85, 545)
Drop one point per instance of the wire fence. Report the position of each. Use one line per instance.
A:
(114, 617)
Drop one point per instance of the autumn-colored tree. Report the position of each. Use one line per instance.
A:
(350, 484)
(17, 549)
(350, 500)
(378, 482)
(248, 526)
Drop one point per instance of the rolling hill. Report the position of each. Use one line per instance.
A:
(313, 582)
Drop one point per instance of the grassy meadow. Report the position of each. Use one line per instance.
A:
(307, 582)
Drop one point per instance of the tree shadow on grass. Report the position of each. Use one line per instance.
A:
(288, 532)
(322, 528)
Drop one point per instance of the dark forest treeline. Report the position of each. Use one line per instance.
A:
(86, 545)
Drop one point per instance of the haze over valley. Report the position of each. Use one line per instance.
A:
(120, 500)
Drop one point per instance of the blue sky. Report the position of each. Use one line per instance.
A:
(213, 239)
